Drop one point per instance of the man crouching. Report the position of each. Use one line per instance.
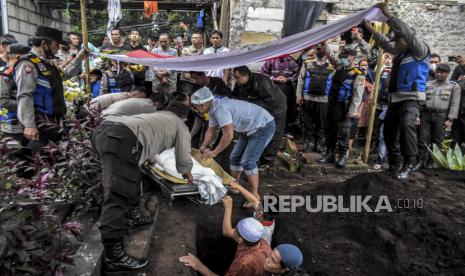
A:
(124, 143)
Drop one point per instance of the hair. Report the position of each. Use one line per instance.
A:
(158, 97)
(217, 33)
(153, 35)
(179, 97)
(197, 32)
(243, 70)
(164, 34)
(74, 33)
(198, 73)
(142, 90)
(117, 29)
(135, 30)
(35, 41)
(434, 55)
(363, 59)
(97, 72)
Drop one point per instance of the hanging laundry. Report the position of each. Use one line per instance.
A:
(114, 15)
(150, 7)
(201, 19)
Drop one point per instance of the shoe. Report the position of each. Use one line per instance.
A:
(117, 260)
(394, 167)
(342, 161)
(137, 219)
(328, 158)
(377, 167)
(405, 172)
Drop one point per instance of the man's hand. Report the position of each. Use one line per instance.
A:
(227, 202)
(192, 261)
(384, 8)
(299, 100)
(369, 27)
(31, 133)
(448, 123)
(460, 59)
(281, 79)
(83, 52)
(418, 121)
(207, 154)
(188, 176)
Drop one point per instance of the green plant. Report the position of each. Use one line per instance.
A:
(448, 158)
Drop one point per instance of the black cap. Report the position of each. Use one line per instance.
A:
(50, 34)
(443, 67)
(18, 49)
(6, 40)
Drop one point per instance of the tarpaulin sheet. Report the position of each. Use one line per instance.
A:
(256, 53)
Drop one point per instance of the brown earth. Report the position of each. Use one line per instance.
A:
(408, 241)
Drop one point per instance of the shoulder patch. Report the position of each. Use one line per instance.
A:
(357, 71)
(35, 60)
(28, 68)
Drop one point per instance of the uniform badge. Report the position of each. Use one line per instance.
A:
(28, 69)
(42, 67)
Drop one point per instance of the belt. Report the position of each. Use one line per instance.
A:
(434, 110)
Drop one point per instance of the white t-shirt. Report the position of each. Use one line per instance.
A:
(215, 73)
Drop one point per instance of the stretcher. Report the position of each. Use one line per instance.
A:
(176, 187)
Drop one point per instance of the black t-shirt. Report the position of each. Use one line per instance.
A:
(218, 87)
(138, 47)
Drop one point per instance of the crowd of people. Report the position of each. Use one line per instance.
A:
(234, 115)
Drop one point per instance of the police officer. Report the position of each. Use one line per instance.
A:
(407, 88)
(118, 78)
(344, 101)
(440, 110)
(313, 86)
(10, 125)
(41, 103)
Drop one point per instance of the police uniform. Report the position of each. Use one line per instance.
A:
(40, 98)
(9, 124)
(442, 104)
(344, 101)
(407, 88)
(117, 82)
(314, 84)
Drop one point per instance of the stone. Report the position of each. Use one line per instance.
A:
(13, 25)
(268, 13)
(248, 38)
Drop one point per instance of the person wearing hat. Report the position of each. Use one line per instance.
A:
(344, 100)
(254, 124)
(407, 86)
(10, 125)
(260, 90)
(40, 88)
(313, 86)
(124, 144)
(252, 250)
(5, 42)
(117, 78)
(285, 259)
(358, 44)
(439, 111)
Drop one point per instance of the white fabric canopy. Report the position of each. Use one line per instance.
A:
(251, 54)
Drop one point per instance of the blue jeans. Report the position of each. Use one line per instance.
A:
(248, 149)
(382, 150)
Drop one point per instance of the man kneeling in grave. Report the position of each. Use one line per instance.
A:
(124, 143)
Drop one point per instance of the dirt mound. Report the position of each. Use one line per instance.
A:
(425, 240)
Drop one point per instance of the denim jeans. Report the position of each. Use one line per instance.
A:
(382, 150)
(248, 149)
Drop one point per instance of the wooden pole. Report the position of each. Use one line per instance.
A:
(379, 67)
(85, 41)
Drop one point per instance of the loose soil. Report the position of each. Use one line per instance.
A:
(408, 241)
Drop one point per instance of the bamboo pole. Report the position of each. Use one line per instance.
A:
(379, 67)
(85, 41)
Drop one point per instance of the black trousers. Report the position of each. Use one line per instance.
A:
(119, 152)
(338, 128)
(431, 131)
(49, 130)
(400, 131)
(315, 114)
(458, 130)
(291, 113)
(277, 140)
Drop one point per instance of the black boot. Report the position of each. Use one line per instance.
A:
(419, 164)
(395, 167)
(117, 260)
(406, 170)
(328, 158)
(342, 161)
(137, 219)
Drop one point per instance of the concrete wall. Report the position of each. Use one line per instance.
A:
(25, 15)
(440, 23)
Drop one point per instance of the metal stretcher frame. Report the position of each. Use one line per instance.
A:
(175, 187)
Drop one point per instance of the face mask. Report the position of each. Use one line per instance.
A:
(432, 67)
(345, 62)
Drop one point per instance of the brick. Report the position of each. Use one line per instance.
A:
(34, 18)
(264, 26)
(13, 24)
(21, 38)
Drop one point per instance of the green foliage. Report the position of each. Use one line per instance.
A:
(448, 158)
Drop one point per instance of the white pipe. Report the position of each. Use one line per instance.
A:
(4, 16)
